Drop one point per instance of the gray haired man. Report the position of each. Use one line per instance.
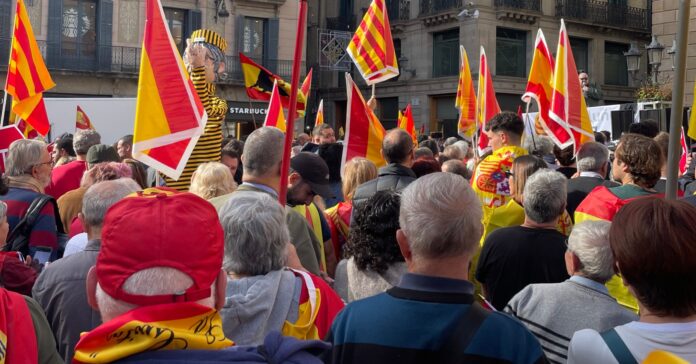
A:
(593, 165)
(553, 312)
(61, 289)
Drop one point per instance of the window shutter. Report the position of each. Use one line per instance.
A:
(270, 51)
(194, 22)
(55, 25)
(105, 19)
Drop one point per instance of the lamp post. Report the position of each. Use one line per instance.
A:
(655, 56)
(672, 51)
(633, 60)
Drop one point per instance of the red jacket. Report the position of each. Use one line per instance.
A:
(66, 178)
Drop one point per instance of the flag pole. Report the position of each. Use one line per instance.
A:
(290, 122)
(677, 116)
(531, 130)
(7, 77)
(4, 107)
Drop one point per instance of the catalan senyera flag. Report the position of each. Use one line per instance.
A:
(82, 121)
(320, 114)
(27, 75)
(259, 84)
(364, 132)
(466, 98)
(684, 153)
(406, 123)
(568, 106)
(169, 116)
(274, 114)
(540, 89)
(372, 47)
(26, 129)
(487, 104)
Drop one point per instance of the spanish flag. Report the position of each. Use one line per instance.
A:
(259, 84)
(169, 116)
(364, 132)
(27, 76)
(274, 113)
(26, 129)
(540, 89)
(568, 106)
(466, 98)
(82, 121)
(320, 114)
(372, 48)
(487, 106)
(406, 123)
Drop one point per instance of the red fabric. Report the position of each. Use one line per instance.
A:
(76, 227)
(338, 236)
(17, 327)
(15, 275)
(66, 178)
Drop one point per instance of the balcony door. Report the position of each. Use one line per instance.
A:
(79, 32)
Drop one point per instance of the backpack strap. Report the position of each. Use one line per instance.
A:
(618, 347)
(466, 328)
(27, 222)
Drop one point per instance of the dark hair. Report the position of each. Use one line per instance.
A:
(422, 152)
(599, 137)
(138, 172)
(507, 122)
(430, 144)
(66, 144)
(4, 185)
(424, 166)
(564, 156)
(646, 128)
(457, 167)
(654, 245)
(230, 152)
(643, 157)
(607, 135)
(236, 146)
(662, 140)
(397, 146)
(127, 139)
(372, 240)
(421, 138)
(331, 154)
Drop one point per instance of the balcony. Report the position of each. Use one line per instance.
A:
(603, 14)
(530, 5)
(434, 12)
(521, 11)
(398, 10)
(340, 23)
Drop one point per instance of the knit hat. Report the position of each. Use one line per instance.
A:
(101, 153)
(159, 227)
(209, 36)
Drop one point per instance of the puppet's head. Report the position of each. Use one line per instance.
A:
(215, 47)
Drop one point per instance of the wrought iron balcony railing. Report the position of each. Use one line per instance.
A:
(399, 10)
(531, 5)
(433, 7)
(601, 12)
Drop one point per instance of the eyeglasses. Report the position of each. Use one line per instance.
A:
(41, 164)
(509, 174)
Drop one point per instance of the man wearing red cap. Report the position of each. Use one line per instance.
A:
(158, 288)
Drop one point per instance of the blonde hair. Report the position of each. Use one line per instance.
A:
(212, 179)
(357, 171)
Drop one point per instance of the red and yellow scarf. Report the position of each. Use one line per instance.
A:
(17, 337)
(174, 326)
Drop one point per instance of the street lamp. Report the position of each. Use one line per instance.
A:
(655, 56)
(633, 60)
(672, 52)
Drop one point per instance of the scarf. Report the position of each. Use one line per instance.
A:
(172, 326)
(17, 337)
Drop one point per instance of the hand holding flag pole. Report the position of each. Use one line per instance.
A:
(290, 123)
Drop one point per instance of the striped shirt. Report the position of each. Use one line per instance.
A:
(209, 146)
(44, 232)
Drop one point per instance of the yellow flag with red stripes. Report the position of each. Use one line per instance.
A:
(372, 47)
(27, 75)
(169, 116)
(466, 98)
(274, 114)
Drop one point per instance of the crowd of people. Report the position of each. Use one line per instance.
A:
(523, 254)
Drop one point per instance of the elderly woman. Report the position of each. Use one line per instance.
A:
(263, 295)
(554, 312)
(212, 179)
(654, 246)
(357, 171)
(373, 261)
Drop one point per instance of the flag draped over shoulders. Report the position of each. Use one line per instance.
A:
(490, 181)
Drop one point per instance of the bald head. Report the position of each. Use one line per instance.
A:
(397, 147)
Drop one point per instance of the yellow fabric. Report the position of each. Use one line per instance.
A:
(209, 36)
(489, 181)
(663, 357)
(311, 213)
(466, 98)
(304, 328)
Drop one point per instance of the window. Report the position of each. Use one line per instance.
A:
(176, 19)
(446, 115)
(615, 69)
(580, 53)
(79, 29)
(253, 36)
(446, 53)
(388, 111)
(511, 52)
(5, 30)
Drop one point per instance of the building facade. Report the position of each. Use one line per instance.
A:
(93, 47)
(427, 35)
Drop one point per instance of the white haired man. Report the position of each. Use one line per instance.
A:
(158, 288)
(430, 316)
(60, 289)
(593, 166)
(516, 256)
(67, 177)
(554, 312)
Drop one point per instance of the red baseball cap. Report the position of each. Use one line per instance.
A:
(160, 228)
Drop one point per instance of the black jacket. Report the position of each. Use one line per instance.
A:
(580, 187)
(392, 177)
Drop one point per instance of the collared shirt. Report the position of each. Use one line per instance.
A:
(261, 187)
(589, 284)
(419, 282)
(591, 174)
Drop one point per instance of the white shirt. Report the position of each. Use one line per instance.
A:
(76, 244)
(641, 338)
(591, 174)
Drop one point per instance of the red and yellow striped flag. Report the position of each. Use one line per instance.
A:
(320, 114)
(568, 106)
(487, 106)
(82, 121)
(372, 48)
(169, 116)
(364, 132)
(27, 76)
(466, 98)
(540, 88)
(274, 114)
(406, 123)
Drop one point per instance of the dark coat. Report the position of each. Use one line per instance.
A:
(580, 187)
(392, 177)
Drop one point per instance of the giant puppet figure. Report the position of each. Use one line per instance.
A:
(205, 59)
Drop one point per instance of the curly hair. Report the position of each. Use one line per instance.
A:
(372, 240)
(643, 158)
